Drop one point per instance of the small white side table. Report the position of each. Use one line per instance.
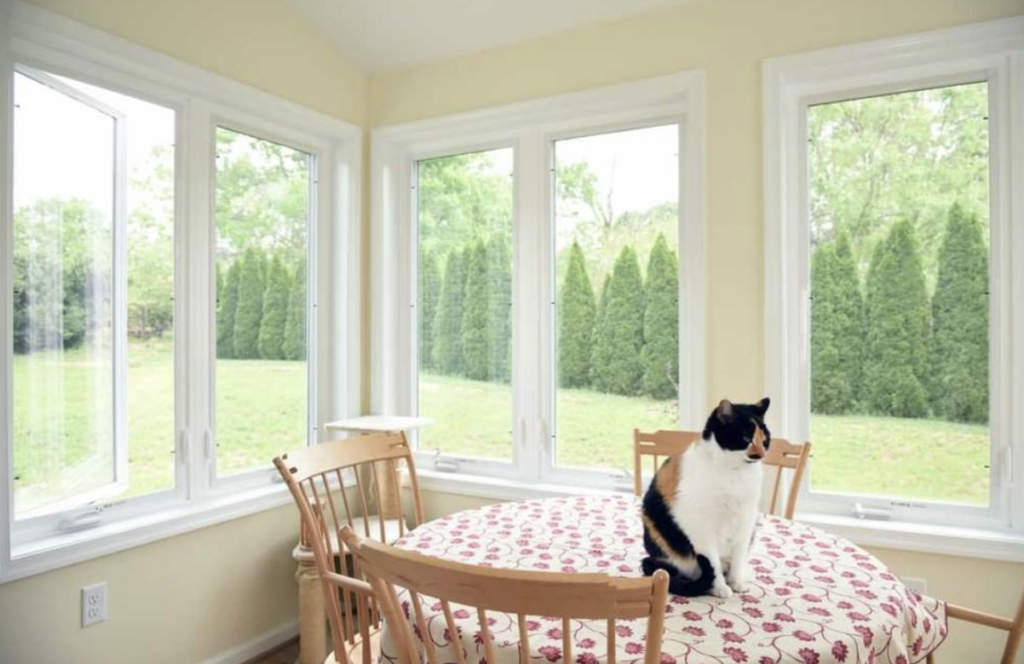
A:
(312, 611)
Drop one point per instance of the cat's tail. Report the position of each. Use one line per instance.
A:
(679, 583)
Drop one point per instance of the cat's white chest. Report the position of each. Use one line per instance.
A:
(717, 499)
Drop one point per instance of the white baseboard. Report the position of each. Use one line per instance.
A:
(261, 644)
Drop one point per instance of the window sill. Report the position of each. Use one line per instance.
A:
(65, 549)
(902, 536)
(498, 488)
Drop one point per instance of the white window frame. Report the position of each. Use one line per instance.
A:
(992, 52)
(39, 39)
(530, 128)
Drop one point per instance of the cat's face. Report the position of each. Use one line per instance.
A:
(740, 428)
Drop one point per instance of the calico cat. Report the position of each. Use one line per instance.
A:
(700, 511)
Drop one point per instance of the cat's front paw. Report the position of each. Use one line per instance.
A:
(738, 582)
(721, 590)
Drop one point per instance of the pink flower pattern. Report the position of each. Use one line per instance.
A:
(815, 598)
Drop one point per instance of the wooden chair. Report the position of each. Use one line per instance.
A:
(783, 455)
(523, 593)
(316, 477)
(658, 445)
(1015, 627)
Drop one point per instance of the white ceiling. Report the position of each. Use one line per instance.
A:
(389, 34)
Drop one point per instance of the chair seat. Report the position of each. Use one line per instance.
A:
(392, 531)
(355, 650)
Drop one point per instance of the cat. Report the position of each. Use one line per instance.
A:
(700, 511)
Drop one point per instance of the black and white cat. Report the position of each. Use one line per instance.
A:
(700, 511)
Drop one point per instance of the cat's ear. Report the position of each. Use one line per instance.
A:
(762, 406)
(724, 410)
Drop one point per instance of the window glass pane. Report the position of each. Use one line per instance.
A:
(465, 303)
(67, 449)
(899, 283)
(617, 292)
(263, 210)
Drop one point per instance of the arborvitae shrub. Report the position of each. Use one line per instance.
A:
(577, 313)
(615, 365)
(226, 309)
(430, 292)
(249, 314)
(898, 327)
(960, 322)
(275, 311)
(448, 323)
(294, 345)
(660, 356)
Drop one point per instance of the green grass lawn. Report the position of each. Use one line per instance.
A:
(61, 441)
(261, 412)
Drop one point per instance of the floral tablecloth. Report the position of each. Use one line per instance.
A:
(815, 598)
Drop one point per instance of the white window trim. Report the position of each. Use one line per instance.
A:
(992, 51)
(45, 40)
(530, 127)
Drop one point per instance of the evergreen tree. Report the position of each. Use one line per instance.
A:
(898, 327)
(660, 355)
(837, 324)
(577, 313)
(448, 323)
(275, 311)
(475, 310)
(294, 345)
(430, 291)
(249, 314)
(226, 309)
(616, 366)
(960, 322)
(499, 319)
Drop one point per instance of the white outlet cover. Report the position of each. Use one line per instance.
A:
(94, 604)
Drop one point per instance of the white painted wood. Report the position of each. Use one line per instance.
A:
(260, 645)
(380, 423)
(982, 52)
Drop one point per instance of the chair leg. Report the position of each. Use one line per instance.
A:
(312, 613)
(931, 658)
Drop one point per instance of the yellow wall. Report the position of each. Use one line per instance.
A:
(727, 39)
(257, 42)
(176, 601)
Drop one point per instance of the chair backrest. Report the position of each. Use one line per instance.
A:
(783, 455)
(518, 592)
(1015, 627)
(658, 445)
(316, 477)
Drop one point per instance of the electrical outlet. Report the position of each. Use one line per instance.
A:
(94, 604)
(915, 584)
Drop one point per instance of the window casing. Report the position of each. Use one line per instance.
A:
(200, 102)
(531, 131)
(986, 53)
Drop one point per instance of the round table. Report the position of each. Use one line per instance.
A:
(815, 598)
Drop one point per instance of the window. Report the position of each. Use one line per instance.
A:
(93, 296)
(616, 237)
(263, 210)
(167, 237)
(464, 209)
(514, 219)
(899, 203)
(891, 300)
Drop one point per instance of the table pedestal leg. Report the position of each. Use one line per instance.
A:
(312, 612)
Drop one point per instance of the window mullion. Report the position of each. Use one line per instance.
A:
(198, 390)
